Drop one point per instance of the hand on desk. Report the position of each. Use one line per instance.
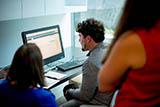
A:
(66, 90)
(67, 96)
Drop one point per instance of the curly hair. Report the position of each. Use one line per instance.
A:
(92, 27)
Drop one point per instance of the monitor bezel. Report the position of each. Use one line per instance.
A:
(54, 57)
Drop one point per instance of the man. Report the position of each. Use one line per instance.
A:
(91, 36)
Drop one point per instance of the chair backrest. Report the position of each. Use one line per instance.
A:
(113, 98)
(111, 105)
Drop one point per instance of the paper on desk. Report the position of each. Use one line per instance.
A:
(55, 74)
(50, 82)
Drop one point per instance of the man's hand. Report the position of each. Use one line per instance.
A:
(66, 91)
(67, 96)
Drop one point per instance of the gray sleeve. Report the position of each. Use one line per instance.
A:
(89, 83)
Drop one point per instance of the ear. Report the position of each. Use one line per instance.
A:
(89, 38)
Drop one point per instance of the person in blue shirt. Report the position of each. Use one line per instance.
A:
(23, 86)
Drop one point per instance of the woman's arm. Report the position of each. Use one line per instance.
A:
(128, 52)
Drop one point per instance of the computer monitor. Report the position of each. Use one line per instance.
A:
(48, 39)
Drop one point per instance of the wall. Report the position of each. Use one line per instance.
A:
(10, 33)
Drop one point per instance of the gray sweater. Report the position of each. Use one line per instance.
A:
(88, 91)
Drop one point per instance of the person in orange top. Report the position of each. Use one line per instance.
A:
(132, 63)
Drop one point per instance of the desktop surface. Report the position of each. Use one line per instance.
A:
(67, 76)
(74, 57)
(71, 54)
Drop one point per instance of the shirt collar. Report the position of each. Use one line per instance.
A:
(99, 45)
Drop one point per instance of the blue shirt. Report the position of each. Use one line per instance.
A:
(31, 97)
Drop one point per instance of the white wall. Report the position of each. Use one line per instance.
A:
(10, 33)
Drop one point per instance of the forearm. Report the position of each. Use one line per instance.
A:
(80, 94)
(89, 83)
(87, 89)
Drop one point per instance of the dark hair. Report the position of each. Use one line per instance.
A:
(136, 14)
(93, 28)
(27, 67)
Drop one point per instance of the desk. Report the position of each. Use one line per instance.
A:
(70, 53)
(69, 75)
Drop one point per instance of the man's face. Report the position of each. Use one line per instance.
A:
(83, 42)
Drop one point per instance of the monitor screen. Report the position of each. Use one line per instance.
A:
(48, 39)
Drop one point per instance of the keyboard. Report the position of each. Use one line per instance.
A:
(70, 65)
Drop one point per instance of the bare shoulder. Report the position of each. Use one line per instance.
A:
(127, 52)
(134, 48)
(130, 37)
